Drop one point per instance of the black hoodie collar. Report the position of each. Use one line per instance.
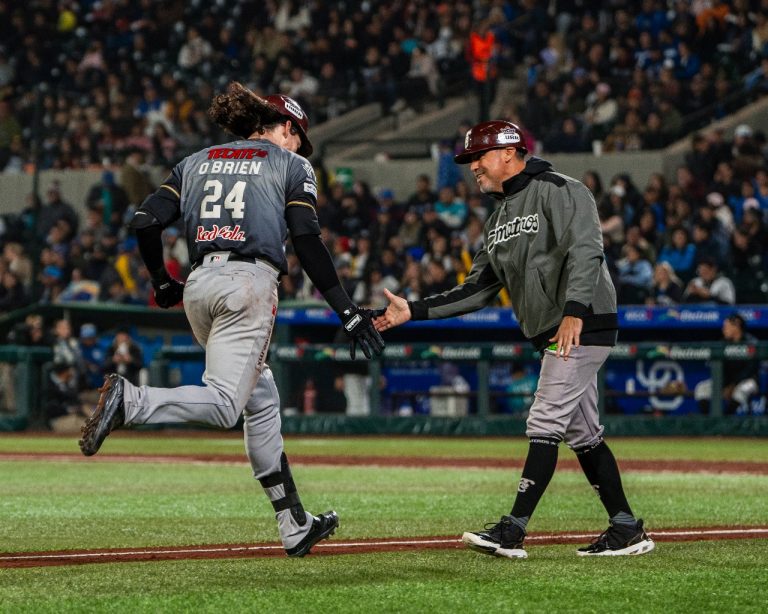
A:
(533, 167)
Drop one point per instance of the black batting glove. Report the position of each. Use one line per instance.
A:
(168, 291)
(359, 327)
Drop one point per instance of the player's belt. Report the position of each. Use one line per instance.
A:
(232, 258)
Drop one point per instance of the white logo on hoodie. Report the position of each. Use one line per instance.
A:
(509, 230)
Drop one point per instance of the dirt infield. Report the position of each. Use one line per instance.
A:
(362, 546)
(566, 464)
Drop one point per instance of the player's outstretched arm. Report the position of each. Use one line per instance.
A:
(357, 322)
(396, 313)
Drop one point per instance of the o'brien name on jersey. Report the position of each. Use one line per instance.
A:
(513, 228)
(228, 161)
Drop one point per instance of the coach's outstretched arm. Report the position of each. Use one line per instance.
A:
(479, 288)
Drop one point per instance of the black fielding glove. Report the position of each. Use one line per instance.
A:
(359, 328)
(168, 291)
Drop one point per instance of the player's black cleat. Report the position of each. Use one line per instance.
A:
(108, 415)
(619, 540)
(323, 526)
(501, 539)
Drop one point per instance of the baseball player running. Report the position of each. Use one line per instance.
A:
(238, 202)
(543, 244)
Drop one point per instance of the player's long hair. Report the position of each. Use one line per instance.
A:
(241, 112)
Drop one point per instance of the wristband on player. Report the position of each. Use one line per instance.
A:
(338, 299)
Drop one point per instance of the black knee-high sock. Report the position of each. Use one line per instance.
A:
(599, 465)
(538, 470)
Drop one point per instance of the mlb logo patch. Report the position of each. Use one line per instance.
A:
(215, 258)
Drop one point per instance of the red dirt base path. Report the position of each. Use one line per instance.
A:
(566, 464)
(331, 547)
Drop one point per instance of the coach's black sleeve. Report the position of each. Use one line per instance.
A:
(479, 289)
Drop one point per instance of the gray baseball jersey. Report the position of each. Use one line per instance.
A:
(233, 198)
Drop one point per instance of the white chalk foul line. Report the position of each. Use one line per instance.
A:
(332, 545)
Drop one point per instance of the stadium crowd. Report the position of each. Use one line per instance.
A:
(128, 84)
(699, 238)
(91, 81)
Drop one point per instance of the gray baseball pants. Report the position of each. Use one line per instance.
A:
(565, 402)
(231, 307)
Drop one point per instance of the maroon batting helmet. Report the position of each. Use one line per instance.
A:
(293, 111)
(495, 134)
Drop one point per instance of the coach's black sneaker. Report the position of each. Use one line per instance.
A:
(108, 415)
(323, 526)
(619, 540)
(501, 539)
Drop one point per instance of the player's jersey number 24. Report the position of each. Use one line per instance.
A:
(210, 207)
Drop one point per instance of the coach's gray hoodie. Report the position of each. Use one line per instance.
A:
(543, 243)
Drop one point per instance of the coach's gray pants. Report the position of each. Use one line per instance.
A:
(231, 309)
(565, 402)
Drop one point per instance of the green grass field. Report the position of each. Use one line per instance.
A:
(49, 505)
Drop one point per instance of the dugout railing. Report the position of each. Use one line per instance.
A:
(285, 359)
(22, 371)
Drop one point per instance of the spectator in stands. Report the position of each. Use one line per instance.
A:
(30, 332)
(567, 139)
(746, 268)
(175, 249)
(336, 400)
(66, 349)
(482, 55)
(79, 288)
(520, 389)
(634, 238)
(451, 209)
(611, 214)
(194, 51)
(124, 357)
(133, 179)
(378, 82)
(12, 293)
(592, 180)
(710, 286)
(51, 284)
(352, 220)
(109, 197)
(94, 357)
(61, 396)
(601, 112)
(739, 376)
(654, 137)
(19, 263)
(410, 230)
(680, 253)
(635, 275)
(55, 210)
(437, 279)
(422, 81)
(10, 129)
(424, 195)
(667, 288)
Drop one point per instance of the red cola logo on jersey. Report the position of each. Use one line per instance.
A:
(509, 230)
(225, 232)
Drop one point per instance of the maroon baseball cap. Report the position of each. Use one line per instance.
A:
(494, 134)
(291, 109)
